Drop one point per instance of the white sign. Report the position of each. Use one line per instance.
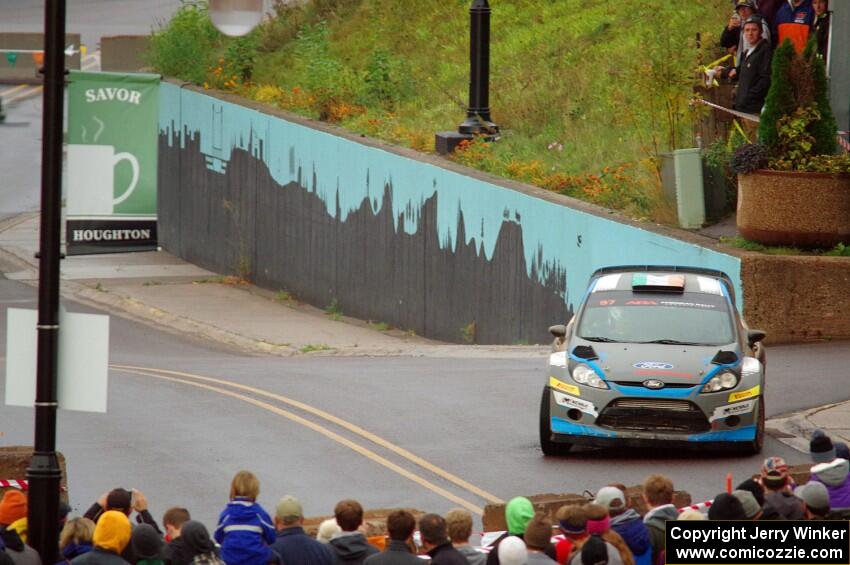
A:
(83, 359)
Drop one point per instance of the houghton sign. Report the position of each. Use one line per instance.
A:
(112, 162)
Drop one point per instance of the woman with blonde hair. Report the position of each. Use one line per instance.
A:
(75, 538)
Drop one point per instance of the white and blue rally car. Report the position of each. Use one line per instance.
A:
(655, 356)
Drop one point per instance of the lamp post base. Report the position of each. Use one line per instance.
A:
(446, 142)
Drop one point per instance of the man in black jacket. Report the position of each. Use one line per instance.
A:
(435, 540)
(753, 71)
(400, 526)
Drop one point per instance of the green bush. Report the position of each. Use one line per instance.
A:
(780, 99)
(185, 47)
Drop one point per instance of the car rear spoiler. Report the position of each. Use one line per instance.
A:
(727, 281)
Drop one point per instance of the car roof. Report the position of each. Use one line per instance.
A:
(660, 279)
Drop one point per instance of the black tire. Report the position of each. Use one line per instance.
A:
(755, 446)
(549, 447)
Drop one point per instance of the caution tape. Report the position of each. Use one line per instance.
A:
(839, 136)
(21, 484)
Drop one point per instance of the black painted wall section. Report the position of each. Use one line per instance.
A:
(282, 237)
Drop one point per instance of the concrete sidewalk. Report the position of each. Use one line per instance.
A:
(159, 289)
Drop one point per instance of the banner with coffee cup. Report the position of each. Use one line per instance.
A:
(111, 162)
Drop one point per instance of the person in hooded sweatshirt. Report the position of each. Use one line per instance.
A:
(75, 539)
(518, 512)
(111, 537)
(245, 530)
(148, 547)
(658, 494)
(199, 547)
(626, 522)
(13, 528)
(350, 545)
(834, 476)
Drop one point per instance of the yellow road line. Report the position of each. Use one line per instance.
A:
(339, 422)
(13, 90)
(22, 95)
(369, 454)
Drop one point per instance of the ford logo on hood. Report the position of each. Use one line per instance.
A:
(653, 383)
(653, 365)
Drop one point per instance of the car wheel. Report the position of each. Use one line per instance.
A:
(548, 446)
(755, 446)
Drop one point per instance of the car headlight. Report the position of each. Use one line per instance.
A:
(584, 375)
(722, 381)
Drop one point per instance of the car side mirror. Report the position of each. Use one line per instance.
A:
(559, 330)
(755, 336)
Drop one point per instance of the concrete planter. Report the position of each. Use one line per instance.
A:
(794, 208)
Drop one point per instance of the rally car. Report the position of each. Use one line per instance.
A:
(655, 356)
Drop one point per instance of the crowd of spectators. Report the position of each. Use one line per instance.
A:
(606, 530)
(755, 29)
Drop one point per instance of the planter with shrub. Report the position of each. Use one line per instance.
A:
(793, 189)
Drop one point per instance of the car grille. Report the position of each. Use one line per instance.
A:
(666, 385)
(653, 414)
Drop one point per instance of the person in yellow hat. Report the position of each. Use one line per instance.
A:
(111, 536)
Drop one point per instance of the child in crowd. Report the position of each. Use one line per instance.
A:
(244, 529)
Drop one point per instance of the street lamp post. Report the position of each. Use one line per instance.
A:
(44, 473)
(478, 122)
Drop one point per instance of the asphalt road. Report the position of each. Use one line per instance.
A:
(473, 418)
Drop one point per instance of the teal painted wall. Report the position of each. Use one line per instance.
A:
(343, 172)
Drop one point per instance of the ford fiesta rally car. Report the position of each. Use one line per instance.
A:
(655, 356)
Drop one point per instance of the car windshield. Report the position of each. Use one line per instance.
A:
(675, 319)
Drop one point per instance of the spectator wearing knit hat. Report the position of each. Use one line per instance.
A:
(400, 527)
(594, 552)
(751, 507)
(435, 540)
(815, 499)
(513, 551)
(459, 525)
(75, 539)
(834, 475)
(755, 488)
(691, 514)
(599, 523)
(328, 529)
(778, 497)
(111, 538)
(572, 521)
(626, 522)
(148, 547)
(658, 494)
(13, 528)
(538, 537)
(518, 512)
(726, 506)
(821, 449)
(293, 545)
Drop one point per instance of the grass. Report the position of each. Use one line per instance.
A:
(468, 332)
(840, 250)
(311, 347)
(285, 297)
(380, 326)
(588, 93)
(334, 310)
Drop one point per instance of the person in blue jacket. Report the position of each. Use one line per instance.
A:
(626, 522)
(245, 531)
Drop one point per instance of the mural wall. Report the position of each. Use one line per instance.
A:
(388, 237)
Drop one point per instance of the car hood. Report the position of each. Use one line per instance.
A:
(671, 364)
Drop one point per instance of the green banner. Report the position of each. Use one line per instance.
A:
(112, 145)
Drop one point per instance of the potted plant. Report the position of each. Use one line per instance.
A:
(793, 189)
